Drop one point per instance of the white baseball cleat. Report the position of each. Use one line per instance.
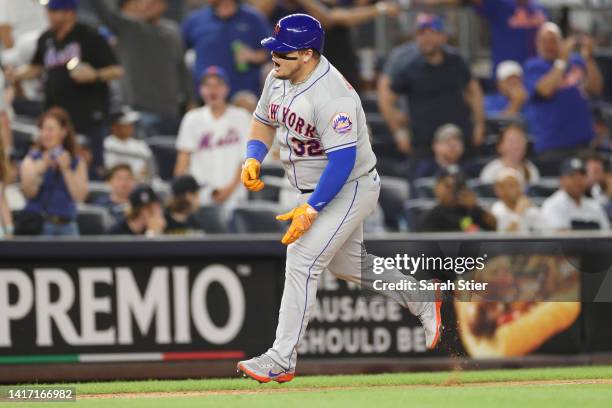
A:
(264, 369)
(431, 319)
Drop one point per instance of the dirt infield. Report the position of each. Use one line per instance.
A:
(264, 390)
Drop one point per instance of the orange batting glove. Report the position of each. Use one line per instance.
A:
(301, 218)
(250, 175)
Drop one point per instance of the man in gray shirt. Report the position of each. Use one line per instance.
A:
(157, 82)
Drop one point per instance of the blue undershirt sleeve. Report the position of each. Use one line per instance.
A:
(339, 167)
(256, 149)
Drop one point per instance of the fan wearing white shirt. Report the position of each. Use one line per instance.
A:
(569, 208)
(513, 211)
(211, 142)
(120, 147)
(512, 149)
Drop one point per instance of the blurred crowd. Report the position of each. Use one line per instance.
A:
(130, 117)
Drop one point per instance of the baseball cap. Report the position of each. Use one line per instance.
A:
(60, 4)
(216, 71)
(448, 131)
(184, 184)
(433, 21)
(571, 166)
(143, 195)
(126, 116)
(506, 69)
(506, 172)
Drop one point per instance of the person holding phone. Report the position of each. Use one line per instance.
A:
(457, 208)
(53, 179)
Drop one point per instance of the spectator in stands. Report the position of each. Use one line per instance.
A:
(457, 208)
(150, 49)
(337, 18)
(211, 141)
(181, 209)
(513, 25)
(77, 64)
(121, 182)
(19, 19)
(144, 216)
(21, 23)
(447, 148)
(438, 86)
(6, 220)
(53, 179)
(121, 146)
(560, 115)
(227, 33)
(511, 95)
(569, 208)
(596, 167)
(512, 150)
(513, 211)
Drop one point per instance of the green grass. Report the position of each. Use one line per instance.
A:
(371, 380)
(374, 391)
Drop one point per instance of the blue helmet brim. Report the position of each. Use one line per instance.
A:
(273, 44)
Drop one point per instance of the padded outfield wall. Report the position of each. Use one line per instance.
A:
(85, 307)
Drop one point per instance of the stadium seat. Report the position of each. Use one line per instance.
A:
(482, 190)
(385, 149)
(379, 127)
(271, 191)
(275, 170)
(424, 187)
(394, 193)
(164, 152)
(96, 190)
(211, 219)
(92, 220)
(24, 134)
(415, 209)
(369, 103)
(257, 217)
(547, 168)
(544, 188)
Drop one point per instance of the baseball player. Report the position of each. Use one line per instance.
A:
(321, 127)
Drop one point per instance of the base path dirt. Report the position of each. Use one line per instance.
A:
(267, 390)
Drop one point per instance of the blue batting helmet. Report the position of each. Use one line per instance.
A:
(296, 32)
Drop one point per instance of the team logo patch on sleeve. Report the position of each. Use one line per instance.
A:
(341, 123)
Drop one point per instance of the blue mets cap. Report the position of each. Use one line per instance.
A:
(61, 4)
(215, 70)
(296, 32)
(432, 21)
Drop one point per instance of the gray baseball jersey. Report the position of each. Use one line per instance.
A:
(316, 117)
(313, 118)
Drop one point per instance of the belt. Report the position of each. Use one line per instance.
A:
(55, 219)
(312, 190)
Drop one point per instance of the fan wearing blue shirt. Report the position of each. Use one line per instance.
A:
(511, 95)
(558, 81)
(513, 25)
(226, 33)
